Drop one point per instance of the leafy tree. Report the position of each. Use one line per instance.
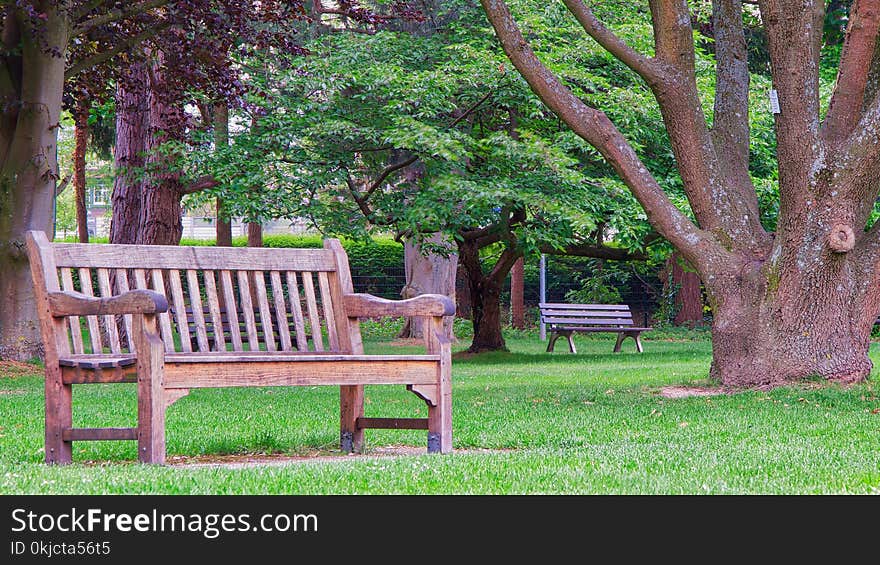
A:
(789, 301)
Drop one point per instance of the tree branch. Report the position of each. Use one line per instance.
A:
(698, 246)
(200, 184)
(794, 35)
(389, 170)
(116, 15)
(642, 65)
(730, 127)
(104, 56)
(595, 251)
(847, 99)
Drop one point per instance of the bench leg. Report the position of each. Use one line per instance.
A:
(623, 335)
(440, 414)
(637, 336)
(351, 407)
(150, 390)
(571, 347)
(58, 416)
(620, 337)
(553, 337)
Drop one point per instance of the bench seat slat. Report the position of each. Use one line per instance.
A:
(563, 306)
(86, 361)
(587, 313)
(590, 321)
(603, 329)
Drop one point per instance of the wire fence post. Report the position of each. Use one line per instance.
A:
(543, 292)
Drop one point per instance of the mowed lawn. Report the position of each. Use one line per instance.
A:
(524, 422)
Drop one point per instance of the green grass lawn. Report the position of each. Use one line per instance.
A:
(524, 422)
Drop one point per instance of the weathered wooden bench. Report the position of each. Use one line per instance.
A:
(178, 318)
(563, 320)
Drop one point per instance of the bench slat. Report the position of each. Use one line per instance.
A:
(247, 309)
(327, 306)
(302, 343)
(586, 313)
(564, 306)
(180, 310)
(265, 312)
(75, 329)
(280, 311)
(198, 314)
(312, 306)
(202, 258)
(164, 317)
(110, 320)
(214, 307)
(603, 329)
(590, 321)
(307, 370)
(229, 298)
(122, 285)
(85, 281)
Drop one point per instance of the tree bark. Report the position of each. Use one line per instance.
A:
(28, 167)
(132, 143)
(485, 295)
(160, 221)
(430, 273)
(254, 234)
(221, 139)
(517, 300)
(81, 124)
(688, 296)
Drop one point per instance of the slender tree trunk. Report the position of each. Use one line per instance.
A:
(485, 299)
(221, 139)
(81, 123)
(517, 300)
(430, 273)
(28, 173)
(254, 234)
(132, 143)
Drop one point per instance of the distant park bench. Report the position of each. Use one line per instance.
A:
(563, 320)
(237, 317)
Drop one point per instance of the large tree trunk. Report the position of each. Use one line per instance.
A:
(147, 190)
(160, 221)
(430, 273)
(780, 324)
(28, 171)
(132, 143)
(688, 296)
(81, 124)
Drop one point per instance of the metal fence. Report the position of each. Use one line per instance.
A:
(641, 296)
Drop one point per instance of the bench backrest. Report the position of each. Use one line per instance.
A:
(586, 315)
(221, 298)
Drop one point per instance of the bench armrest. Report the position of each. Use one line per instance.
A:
(71, 303)
(361, 305)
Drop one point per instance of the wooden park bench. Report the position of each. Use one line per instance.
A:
(177, 318)
(563, 320)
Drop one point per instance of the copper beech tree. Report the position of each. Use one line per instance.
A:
(790, 304)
